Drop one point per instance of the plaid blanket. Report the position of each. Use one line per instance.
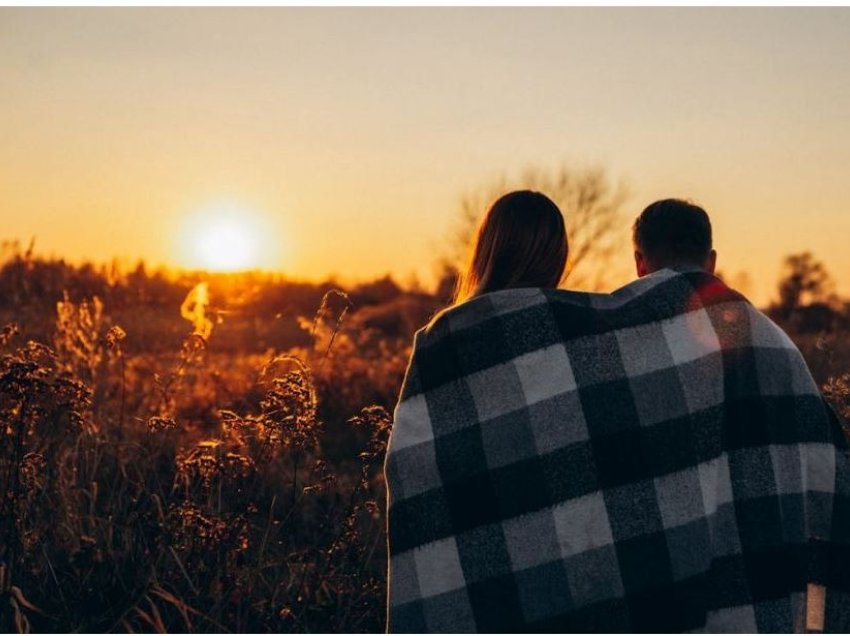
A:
(656, 459)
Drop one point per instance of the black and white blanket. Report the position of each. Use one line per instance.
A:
(656, 459)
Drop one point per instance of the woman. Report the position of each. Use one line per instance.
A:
(435, 461)
(521, 242)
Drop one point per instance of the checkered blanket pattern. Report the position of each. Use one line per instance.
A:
(656, 459)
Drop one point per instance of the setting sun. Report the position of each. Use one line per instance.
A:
(225, 238)
(225, 244)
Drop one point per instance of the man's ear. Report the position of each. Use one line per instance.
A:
(640, 264)
(711, 263)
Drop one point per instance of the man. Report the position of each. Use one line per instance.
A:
(655, 459)
(673, 233)
(785, 482)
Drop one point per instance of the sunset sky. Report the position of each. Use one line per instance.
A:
(341, 140)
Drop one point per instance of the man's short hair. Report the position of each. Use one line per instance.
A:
(673, 232)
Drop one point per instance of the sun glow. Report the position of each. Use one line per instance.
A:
(226, 238)
(225, 244)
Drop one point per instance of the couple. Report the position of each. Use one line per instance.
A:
(655, 459)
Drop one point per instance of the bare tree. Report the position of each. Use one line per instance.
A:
(592, 208)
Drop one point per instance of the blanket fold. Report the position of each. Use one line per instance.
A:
(656, 459)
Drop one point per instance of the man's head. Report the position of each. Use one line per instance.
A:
(673, 233)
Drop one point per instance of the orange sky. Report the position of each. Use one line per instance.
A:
(345, 137)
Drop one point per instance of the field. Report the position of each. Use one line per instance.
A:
(211, 465)
(191, 452)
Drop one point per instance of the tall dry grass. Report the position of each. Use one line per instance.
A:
(140, 496)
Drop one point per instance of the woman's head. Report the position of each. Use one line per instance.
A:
(521, 242)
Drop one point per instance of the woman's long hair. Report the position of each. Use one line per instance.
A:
(521, 242)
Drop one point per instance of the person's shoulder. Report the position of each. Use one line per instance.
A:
(643, 285)
(766, 333)
(677, 291)
(694, 282)
(697, 289)
(511, 303)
